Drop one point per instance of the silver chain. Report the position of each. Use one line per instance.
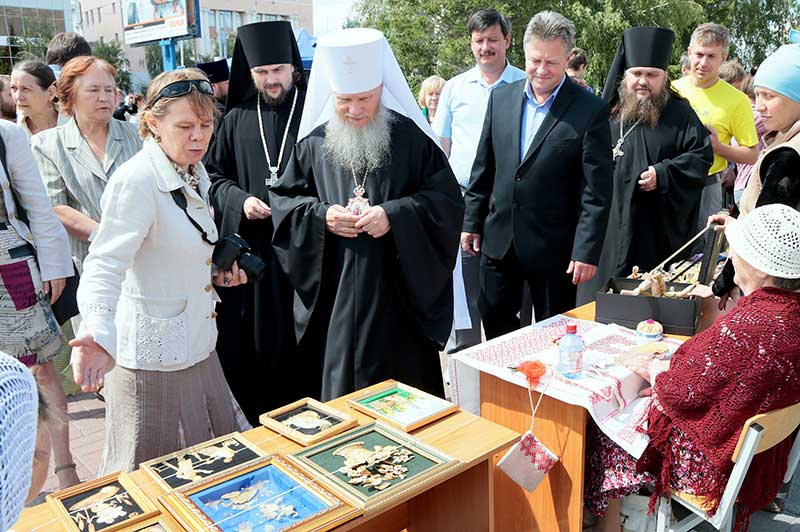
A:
(617, 149)
(359, 187)
(273, 170)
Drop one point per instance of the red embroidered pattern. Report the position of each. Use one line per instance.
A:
(524, 343)
(539, 456)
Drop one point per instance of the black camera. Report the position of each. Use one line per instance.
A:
(234, 248)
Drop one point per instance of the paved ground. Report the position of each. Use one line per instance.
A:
(87, 433)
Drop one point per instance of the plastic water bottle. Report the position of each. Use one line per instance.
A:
(570, 352)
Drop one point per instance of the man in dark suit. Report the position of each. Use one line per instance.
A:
(541, 185)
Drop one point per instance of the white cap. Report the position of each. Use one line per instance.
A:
(768, 239)
(352, 61)
(19, 410)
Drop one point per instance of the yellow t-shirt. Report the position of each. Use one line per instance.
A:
(726, 109)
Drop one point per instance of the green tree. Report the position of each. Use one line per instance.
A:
(32, 44)
(112, 52)
(154, 61)
(757, 27)
(430, 36)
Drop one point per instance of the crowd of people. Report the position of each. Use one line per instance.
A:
(243, 236)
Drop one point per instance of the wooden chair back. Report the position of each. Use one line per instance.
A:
(777, 424)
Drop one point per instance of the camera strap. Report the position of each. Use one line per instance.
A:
(180, 200)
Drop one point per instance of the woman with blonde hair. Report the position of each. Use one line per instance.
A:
(429, 93)
(146, 297)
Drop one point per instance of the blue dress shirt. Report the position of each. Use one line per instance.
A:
(461, 112)
(533, 114)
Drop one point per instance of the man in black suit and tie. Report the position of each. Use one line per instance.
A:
(541, 185)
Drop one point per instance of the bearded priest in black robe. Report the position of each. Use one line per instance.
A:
(662, 153)
(256, 344)
(367, 222)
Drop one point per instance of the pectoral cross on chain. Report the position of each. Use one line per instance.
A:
(616, 151)
(273, 176)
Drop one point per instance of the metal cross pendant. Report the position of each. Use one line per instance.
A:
(273, 176)
(616, 151)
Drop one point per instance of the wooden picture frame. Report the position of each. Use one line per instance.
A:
(207, 504)
(201, 461)
(327, 460)
(162, 523)
(107, 504)
(279, 420)
(402, 406)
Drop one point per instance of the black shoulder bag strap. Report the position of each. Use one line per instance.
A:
(180, 201)
(21, 214)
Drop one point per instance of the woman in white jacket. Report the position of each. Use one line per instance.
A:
(146, 294)
(34, 262)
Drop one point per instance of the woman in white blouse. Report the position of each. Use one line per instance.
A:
(146, 294)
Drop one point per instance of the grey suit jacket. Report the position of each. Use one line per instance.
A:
(72, 174)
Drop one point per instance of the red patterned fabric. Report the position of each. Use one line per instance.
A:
(747, 363)
(539, 456)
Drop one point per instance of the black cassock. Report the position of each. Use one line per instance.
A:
(256, 343)
(644, 228)
(373, 309)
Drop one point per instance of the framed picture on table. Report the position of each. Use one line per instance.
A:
(162, 523)
(270, 494)
(402, 406)
(307, 421)
(107, 504)
(374, 464)
(201, 461)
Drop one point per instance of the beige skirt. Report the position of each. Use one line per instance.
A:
(153, 413)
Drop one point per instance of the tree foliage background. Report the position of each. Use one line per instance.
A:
(112, 52)
(430, 36)
(155, 63)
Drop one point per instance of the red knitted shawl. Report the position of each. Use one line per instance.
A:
(746, 363)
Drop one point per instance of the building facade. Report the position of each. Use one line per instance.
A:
(102, 20)
(25, 18)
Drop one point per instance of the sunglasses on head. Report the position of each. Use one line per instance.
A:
(183, 87)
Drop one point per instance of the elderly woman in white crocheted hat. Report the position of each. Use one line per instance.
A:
(18, 415)
(746, 363)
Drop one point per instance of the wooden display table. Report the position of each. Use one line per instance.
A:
(557, 504)
(460, 501)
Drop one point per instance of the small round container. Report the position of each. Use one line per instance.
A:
(650, 330)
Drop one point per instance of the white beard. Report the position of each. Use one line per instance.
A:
(359, 150)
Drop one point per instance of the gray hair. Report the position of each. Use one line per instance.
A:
(711, 33)
(685, 62)
(549, 25)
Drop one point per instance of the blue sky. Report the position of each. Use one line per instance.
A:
(329, 15)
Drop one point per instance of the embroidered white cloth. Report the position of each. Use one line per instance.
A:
(610, 393)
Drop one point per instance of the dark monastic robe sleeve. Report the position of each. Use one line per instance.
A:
(425, 228)
(682, 148)
(678, 175)
(226, 193)
(298, 216)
